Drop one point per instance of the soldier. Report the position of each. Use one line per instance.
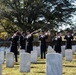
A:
(14, 39)
(29, 42)
(22, 41)
(69, 38)
(57, 40)
(42, 37)
(52, 35)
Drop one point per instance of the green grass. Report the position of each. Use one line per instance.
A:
(69, 68)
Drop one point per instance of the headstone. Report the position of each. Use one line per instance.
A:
(10, 60)
(38, 51)
(22, 51)
(49, 47)
(0, 69)
(34, 47)
(63, 51)
(68, 55)
(2, 57)
(25, 61)
(7, 50)
(34, 56)
(53, 64)
(2, 48)
(73, 49)
(50, 50)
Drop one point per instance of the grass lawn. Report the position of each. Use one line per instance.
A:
(69, 68)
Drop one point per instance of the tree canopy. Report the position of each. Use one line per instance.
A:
(35, 14)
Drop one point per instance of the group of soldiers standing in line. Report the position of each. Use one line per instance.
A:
(26, 42)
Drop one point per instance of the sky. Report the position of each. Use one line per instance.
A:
(74, 16)
(63, 27)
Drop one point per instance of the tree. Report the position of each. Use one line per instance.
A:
(35, 14)
(8, 26)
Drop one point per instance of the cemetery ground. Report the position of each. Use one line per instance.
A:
(39, 68)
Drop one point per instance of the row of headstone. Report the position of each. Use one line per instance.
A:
(25, 65)
(67, 53)
(50, 50)
(7, 49)
(63, 49)
(54, 61)
(33, 55)
(25, 60)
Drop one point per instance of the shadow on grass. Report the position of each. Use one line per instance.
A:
(33, 67)
(41, 60)
(74, 60)
(69, 66)
(74, 53)
(39, 63)
(63, 72)
(16, 66)
(40, 72)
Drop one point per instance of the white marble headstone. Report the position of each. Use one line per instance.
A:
(22, 51)
(73, 49)
(49, 47)
(25, 62)
(34, 56)
(7, 50)
(50, 50)
(2, 57)
(68, 54)
(53, 64)
(63, 51)
(2, 48)
(38, 51)
(0, 69)
(34, 48)
(10, 60)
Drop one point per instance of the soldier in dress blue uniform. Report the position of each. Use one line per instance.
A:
(42, 37)
(69, 38)
(14, 43)
(22, 41)
(57, 40)
(29, 42)
(52, 35)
